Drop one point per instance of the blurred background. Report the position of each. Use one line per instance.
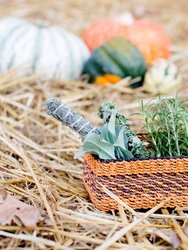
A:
(75, 15)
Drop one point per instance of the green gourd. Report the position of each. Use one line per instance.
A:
(114, 60)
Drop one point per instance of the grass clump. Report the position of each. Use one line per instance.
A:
(166, 124)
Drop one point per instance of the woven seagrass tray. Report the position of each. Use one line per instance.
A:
(140, 183)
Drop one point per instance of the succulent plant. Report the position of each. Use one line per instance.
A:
(116, 140)
(110, 144)
(135, 145)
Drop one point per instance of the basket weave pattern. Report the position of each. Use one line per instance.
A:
(139, 183)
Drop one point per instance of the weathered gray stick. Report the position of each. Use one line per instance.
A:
(69, 117)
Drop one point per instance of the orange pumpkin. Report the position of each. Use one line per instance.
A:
(150, 38)
(101, 31)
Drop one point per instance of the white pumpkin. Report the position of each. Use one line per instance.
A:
(162, 78)
(50, 50)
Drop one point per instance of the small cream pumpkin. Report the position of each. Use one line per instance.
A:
(162, 78)
(50, 50)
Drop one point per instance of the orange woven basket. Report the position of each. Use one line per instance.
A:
(142, 183)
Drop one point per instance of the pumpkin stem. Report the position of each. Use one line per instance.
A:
(69, 117)
(41, 23)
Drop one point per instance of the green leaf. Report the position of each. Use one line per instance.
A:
(112, 123)
(106, 135)
(94, 144)
(126, 153)
(80, 153)
(120, 142)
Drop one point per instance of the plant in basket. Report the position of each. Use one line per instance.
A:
(117, 158)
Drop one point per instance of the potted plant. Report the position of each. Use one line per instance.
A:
(142, 170)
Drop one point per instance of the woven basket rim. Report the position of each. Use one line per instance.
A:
(137, 159)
